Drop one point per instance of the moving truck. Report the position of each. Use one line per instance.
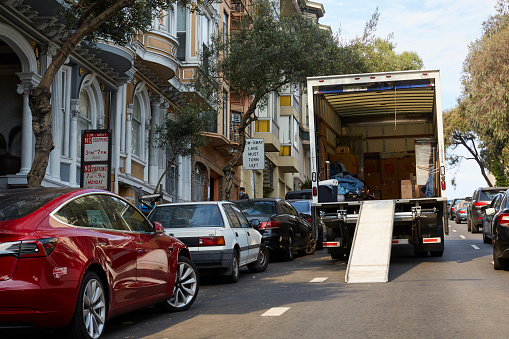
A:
(377, 167)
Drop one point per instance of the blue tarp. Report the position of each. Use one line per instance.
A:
(347, 184)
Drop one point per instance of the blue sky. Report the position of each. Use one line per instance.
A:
(438, 31)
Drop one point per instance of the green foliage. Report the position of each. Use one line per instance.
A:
(306, 185)
(485, 100)
(378, 54)
(180, 131)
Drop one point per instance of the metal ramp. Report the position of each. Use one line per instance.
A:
(371, 249)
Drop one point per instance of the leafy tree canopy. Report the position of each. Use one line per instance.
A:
(484, 104)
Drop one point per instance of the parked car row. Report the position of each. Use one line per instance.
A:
(73, 258)
(488, 212)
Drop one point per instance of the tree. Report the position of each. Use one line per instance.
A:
(484, 105)
(180, 134)
(88, 20)
(457, 132)
(378, 54)
(263, 55)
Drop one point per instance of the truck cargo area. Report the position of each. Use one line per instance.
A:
(378, 166)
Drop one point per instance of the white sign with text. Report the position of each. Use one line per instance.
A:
(254, 154)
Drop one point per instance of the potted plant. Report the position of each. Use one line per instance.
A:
(9, 164)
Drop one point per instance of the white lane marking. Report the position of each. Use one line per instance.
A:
(475, 247)
(318, 279)
(275, 311)
(454, 231)
(462, 236)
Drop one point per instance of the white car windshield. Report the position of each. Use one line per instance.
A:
(188, 216)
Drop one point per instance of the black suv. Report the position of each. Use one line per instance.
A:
(482, 197)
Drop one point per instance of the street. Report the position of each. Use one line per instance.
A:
(459, 295)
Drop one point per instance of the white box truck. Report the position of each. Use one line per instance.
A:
(378, 167)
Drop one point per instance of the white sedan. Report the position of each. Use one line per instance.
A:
(217, 233)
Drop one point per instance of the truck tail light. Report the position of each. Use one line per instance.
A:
(315, 191)
(503, 220)
(211, 241)
(453, 209)
(270, 225)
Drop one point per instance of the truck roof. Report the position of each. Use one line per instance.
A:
(373, 96)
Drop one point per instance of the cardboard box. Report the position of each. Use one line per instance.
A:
(407, 189)
(405, 168)
(417, 192)
(347, 159)
(372, 179)
(390, 190)
(371, 166)
(389, 169)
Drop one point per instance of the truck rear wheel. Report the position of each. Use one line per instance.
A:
(420, 254)
(436, 253)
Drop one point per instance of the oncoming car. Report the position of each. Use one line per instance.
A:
(218, 235)
(73, 258)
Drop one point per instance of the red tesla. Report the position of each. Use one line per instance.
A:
(72, 258)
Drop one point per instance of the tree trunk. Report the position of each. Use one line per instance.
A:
(40, 105)
(229, 168)
(39, 101)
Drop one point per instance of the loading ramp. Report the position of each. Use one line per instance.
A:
(371, 249)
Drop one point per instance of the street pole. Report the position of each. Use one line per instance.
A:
(254, 183)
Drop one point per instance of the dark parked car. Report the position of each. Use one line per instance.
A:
(452, 208)
(482, 197)
(301, 194)
(304, 206)
(460, 213)
(500, 232)
(487, 217)
(282, 228)
(74, 258)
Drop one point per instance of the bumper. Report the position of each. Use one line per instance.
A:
(212, 259)
(461, 217)
(30, 304)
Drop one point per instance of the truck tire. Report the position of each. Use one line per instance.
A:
(420, 254)
(436, 253)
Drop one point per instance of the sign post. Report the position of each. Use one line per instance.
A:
(254, 157)
(96, 159)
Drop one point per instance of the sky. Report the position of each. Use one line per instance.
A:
(439, 31)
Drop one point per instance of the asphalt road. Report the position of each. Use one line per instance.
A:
(459, 295)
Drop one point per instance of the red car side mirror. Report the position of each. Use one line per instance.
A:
(158, 227)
